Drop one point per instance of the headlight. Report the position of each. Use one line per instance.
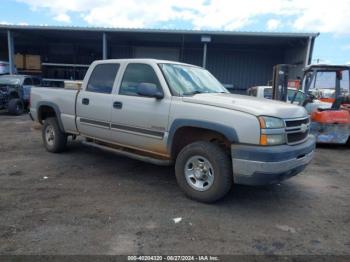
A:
(272, 131)
(271, 140)
(270, 122)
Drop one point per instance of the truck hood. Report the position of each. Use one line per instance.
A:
(248, 104)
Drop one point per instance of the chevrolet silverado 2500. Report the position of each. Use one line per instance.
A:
(167, 112)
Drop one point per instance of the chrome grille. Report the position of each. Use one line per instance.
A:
(297, 130)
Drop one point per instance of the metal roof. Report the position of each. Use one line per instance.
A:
(326, 67)
(167, 31)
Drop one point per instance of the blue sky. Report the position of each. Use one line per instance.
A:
(331, 19)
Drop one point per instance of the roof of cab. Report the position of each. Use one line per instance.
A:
(141, 60)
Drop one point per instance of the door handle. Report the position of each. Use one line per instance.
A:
(85, 101)
(117, 105)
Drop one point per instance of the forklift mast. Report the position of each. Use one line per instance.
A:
(280, 82)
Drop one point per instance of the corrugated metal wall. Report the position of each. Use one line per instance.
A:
(295, 56)
(239, 68)
(236, 65)
(3, 48)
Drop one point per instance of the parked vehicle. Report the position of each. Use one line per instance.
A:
(15, 92)
(5, 68)
(167, 112)
(327, 99)
(266, 92)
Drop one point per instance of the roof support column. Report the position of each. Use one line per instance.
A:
(204, 55)
(11, 51)
(104, 46)
(308, 51)
(205, 40)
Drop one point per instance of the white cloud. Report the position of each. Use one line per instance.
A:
(311, 15)
(273, 24)
(62, 18)
(4, 23)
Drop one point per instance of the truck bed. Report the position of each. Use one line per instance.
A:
(62, 99)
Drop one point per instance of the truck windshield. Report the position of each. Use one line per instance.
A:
(5, 80)
(190, 80)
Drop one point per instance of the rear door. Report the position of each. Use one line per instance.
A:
(94, 102)
(27, 86)
(138, 121)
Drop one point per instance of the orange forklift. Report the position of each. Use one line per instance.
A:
(326, 90)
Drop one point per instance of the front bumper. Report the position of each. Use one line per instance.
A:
(259, 165)
(330, 133)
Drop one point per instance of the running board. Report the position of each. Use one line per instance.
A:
(148, 159)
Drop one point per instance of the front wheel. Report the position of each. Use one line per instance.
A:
(203, 171)
(54, 139)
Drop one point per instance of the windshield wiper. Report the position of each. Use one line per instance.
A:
(193, 93)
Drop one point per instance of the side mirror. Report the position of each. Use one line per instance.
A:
(149, 90)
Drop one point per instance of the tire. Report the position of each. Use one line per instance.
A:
(16, 107)
(210, 183)
(54, 139)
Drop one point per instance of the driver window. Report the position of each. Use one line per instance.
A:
(134, 75)
(27, 81)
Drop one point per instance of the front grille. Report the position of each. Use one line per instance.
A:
(297, 137)
(297, 130)
(296, 123)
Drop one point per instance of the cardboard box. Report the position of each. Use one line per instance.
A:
(70, 84)
(19, 61)
(32, 62)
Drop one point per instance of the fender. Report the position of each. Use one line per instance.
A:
(55, 108)
(228, 131)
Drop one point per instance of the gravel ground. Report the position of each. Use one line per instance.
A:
(87, 201)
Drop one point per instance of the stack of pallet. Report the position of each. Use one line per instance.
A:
(28, 63)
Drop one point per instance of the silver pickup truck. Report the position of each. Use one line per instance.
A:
(167, 112)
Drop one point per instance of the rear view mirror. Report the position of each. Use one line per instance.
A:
(149, 90)
(309, 98)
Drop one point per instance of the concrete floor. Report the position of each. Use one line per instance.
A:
(87, 201)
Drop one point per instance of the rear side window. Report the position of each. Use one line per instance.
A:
(36, 81)
(252, 92)
(268, 93)
(136, 74)
(102, 78)
(27, 81)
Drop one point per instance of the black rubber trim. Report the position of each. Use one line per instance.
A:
(260, 179)
(30, 115)
(228, 131)
(94, 122)
(55, 108)
(139, 130)
(273, 153)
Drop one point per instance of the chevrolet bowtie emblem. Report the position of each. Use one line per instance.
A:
(303, 128)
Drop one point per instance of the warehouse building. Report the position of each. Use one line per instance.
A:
(238, 59)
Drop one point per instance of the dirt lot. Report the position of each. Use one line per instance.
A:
(87, 201)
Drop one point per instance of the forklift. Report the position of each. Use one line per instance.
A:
(326, 97)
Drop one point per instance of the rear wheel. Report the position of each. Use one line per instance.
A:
(16, 107)
(203, 171)
(54, 139)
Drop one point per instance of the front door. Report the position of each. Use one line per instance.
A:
(138, 121)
